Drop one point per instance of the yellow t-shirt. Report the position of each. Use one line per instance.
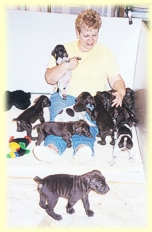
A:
(93, 69)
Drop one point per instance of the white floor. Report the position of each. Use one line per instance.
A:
(125, 205)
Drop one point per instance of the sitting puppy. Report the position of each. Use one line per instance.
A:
(62, 129)
(124, 142)
(77, 111)
(30, 115)
(103, 120)
(60, 54)
(71, 187)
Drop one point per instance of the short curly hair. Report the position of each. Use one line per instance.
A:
(88, 18)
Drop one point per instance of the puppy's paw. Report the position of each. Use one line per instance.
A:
(69, 145)
(57, 217)
(90, 213)
(34, 138)
(102, 142)
(71, 211)
(43, 205)
(113, 161)
(112, 142)
(131, 160)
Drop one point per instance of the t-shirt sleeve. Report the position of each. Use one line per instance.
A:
(113, 68)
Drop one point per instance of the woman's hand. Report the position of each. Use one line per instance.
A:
(73, 63)
(118, 99)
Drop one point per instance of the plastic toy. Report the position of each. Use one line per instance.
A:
(18, 147)
(18, 98)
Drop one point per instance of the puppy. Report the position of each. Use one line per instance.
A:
(103, 120)
(108, 97)
(31, 115)
(76, 111)
(128, 99)
(122, 115)
(123, 142)
(62, 129)
(60, 54)
(71, 187)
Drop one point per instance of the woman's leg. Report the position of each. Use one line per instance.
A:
(84, 146)
(53, 145)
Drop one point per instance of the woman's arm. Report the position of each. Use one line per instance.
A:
(117, 84)
(54, 74)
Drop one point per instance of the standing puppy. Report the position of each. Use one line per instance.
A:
(31, 115)
(123, 142)
(60, 54)
(71, 187)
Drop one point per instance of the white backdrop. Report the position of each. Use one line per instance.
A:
(31, 36)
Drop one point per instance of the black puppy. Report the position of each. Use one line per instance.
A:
(60, 54)
(71, 187)
(108, 97)
(123, 142)
(128, 100)
(62, 129)
(76, 111)
(103, 120)
(31, 115)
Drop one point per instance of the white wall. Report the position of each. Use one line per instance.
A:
(31, 36)
(141, 70)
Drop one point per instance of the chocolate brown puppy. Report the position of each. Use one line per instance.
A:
(62, 129)
(31, 115)
(71, 187)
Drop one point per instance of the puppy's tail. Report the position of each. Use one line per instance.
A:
(15, 119)
(39, 180)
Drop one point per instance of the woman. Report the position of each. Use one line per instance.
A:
(97, 65)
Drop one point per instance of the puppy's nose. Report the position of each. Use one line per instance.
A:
(106, 189)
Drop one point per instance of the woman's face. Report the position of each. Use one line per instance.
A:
(87, 38)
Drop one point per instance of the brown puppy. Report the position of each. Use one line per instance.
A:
(62, 129)
(71, 187)
(33, 113)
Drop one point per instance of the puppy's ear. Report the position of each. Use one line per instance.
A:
(78, 107)
(94, 173)
(53, 53)
(36, 99)
(77, 99)
(78, 130)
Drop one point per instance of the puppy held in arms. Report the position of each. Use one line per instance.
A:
(60, 54)
(71, 187)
